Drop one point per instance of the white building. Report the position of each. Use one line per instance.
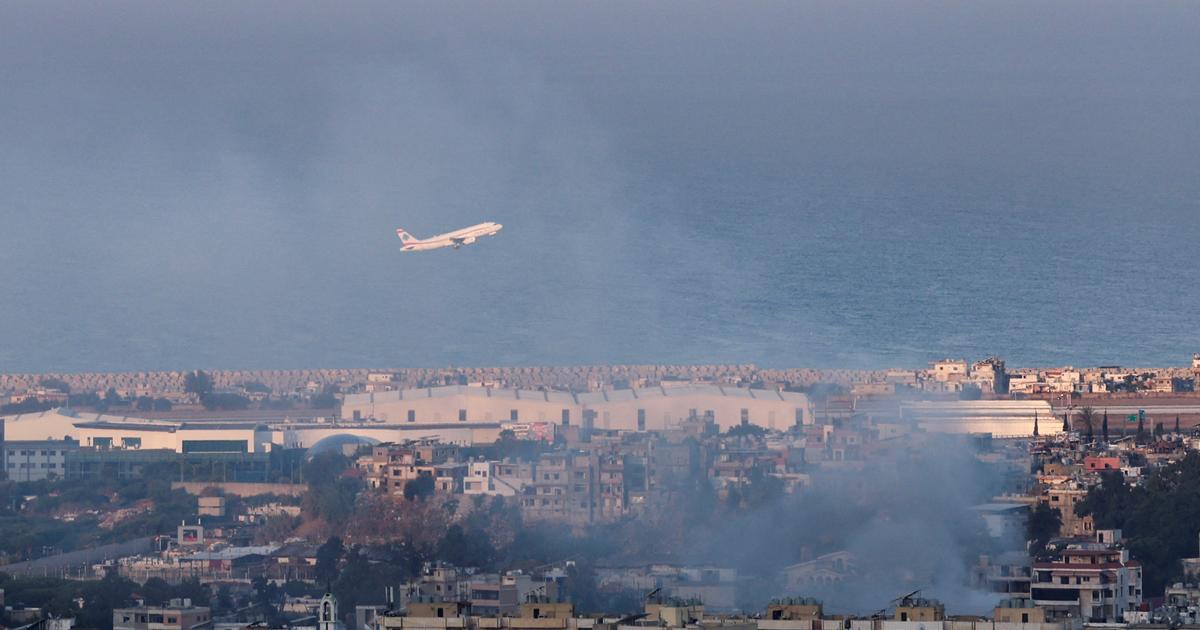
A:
(648, 409)
(36, 460)
(1003, 418)
(111, 431)
(496, 478)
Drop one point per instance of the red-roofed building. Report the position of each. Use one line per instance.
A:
(1095, 464)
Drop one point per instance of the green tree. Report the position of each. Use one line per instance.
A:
(327, 399)
(1109, 502)
(330, 495)
(156, 591)
(1159, 518)
(745, 429)
(1043, 525)
(466, 548)
(329, 555)
(225, 402)
(1104, 428)
(267, 596)
(56, 383)
(198, 383)
(224, 601)
(420, 488)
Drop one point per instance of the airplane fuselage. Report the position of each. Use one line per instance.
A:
(454, 239)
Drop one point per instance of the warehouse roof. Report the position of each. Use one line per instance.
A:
(586, 398)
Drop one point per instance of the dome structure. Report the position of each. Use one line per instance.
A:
(344, 443)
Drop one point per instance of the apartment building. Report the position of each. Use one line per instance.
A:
(178, 614)
(561, 490)
(1064, 497)
(390, 466)
(1092, 581)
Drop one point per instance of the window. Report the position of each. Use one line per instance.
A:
(641, 420)
(566, 417)
(412, 415)
(1024, 617)
(745, 416)
(512, 415)
(215, 446)
(799, 416)
(1064, 580)
(358, 414)
(131, 442)
(462, 415)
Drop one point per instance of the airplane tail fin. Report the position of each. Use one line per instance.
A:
(405, 237)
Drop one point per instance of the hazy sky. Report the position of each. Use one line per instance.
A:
(815, 183)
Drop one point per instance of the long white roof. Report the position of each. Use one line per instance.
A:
(586, 398)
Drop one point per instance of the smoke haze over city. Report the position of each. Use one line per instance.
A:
(217, 185)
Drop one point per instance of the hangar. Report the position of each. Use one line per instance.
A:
(646, 409)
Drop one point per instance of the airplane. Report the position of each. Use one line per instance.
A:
(454, 239)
